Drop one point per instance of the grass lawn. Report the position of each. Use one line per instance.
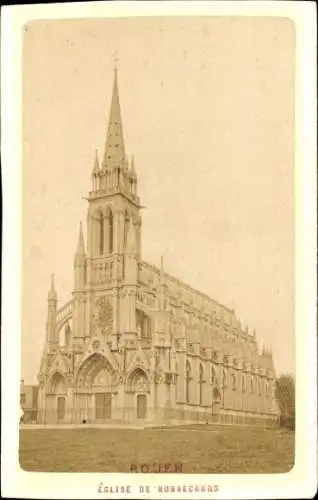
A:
(200, 449)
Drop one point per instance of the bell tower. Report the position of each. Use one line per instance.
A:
(113, 218)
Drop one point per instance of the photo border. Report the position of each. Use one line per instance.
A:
(301, 481)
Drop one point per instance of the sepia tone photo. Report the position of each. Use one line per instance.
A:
(159, 252)
(158, 260)
(158, 246)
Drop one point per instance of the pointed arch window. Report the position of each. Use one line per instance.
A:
(201, 382)
(126, 222)
(243, 383)
(117, 172)
(234, 384)
(252, 385)
(213, 375)
(224, 378)
(247, 384)
(110, 230)
(188, 379)
(101, 233)
(143, 322)
(177, 374)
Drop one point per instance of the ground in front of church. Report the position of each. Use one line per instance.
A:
(190, 449)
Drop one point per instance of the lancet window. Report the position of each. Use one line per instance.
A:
(243, 383)
(224, 378)
(126, 222)
(201, 381)
(101, 233)
(213, 376)
(188, 380)
(110, 229)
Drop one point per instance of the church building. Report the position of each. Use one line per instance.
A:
(135, 344)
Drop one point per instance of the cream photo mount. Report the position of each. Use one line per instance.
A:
(301, 481)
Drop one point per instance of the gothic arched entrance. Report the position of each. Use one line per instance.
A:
(56, 399)
(95, 385)
(138, 386)
(102, 391)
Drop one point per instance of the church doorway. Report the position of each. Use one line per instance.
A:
(97, 379)
(60, 408)
(141, 406)
(103, 405)
(138, 388)
(56, 399)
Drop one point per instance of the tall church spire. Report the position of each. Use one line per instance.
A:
(114, 149)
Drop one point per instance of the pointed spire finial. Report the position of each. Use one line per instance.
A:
(80, 245)
(133, 171)
(162, 274)
(96, 163)
(52, 291)
(162, 289)
(52, 282)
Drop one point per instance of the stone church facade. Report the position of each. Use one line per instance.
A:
(135, 344)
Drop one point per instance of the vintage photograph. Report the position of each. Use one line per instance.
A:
(158, 328)
(157, 211)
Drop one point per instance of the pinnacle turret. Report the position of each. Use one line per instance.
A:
(80, 244)
(51, 314)
(80, 261)
(96, 173)
(52, 292)
(162, 274)
(96, 168)
(132, 165)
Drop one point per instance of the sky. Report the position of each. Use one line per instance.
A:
(208, 113)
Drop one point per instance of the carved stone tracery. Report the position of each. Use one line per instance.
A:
(102, 320)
